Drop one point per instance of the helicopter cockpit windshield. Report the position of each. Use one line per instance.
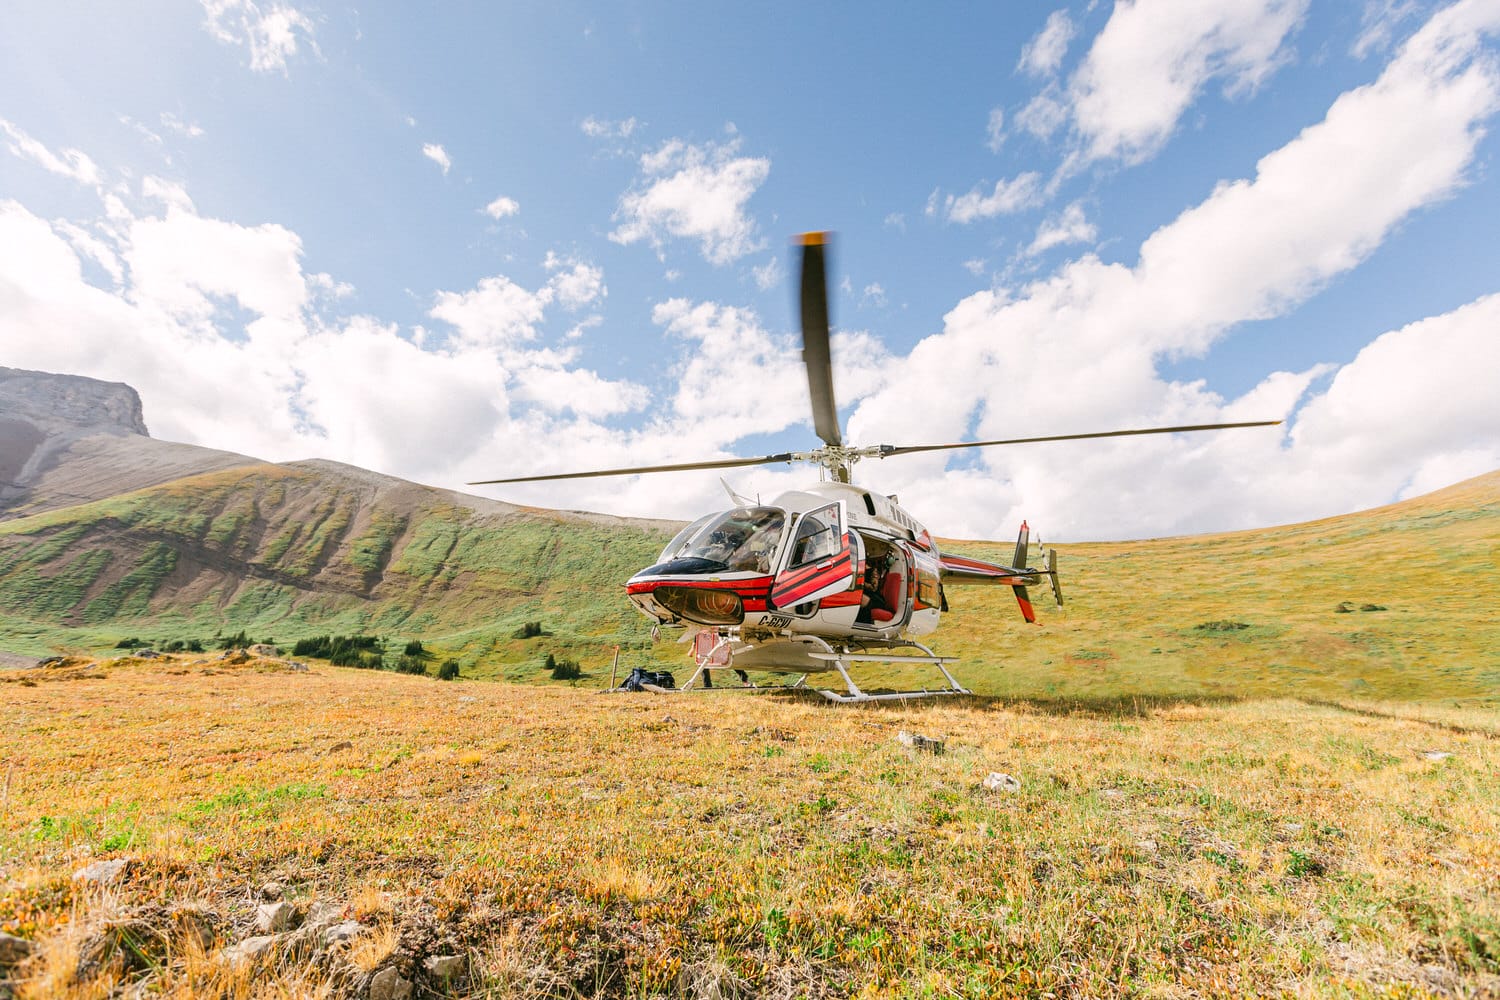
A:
(739, 540)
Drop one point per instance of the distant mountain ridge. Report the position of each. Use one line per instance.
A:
(67, 439)
(102, 525)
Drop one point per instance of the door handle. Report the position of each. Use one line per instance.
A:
(825, 565)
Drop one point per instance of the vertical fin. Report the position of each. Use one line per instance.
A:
(1052, 569)
(1023, 540)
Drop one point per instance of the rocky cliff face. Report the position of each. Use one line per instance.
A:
(66, 439)
(70, 400)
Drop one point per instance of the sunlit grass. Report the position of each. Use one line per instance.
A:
(572, 842)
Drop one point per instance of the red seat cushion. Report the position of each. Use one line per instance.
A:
(891, 591)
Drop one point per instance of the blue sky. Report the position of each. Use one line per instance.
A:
(466, 243)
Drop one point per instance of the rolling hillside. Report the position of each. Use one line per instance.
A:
(1395, 602)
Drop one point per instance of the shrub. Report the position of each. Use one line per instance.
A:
(448, 671)
(414, 648)
(175, 646)
(529, 630)
(194, 646)
(410, 665)
(563, 670)
(131, 643)
(237, 641)
(337, 648)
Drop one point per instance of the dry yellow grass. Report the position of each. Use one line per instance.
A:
(575, 843)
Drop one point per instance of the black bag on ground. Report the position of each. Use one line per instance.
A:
(639, 677)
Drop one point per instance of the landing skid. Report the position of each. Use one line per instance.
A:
(842, 658)
(817, 655)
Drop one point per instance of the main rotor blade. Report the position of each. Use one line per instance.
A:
(910, 449)
(815, 355)
(726, 463)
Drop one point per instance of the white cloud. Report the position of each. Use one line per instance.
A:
(173, 123)
(1153, 57)
(502, 207)
(995, 130)
(68, 163)
(599, 128)
(1044, 114)
(271, 35)
(1009, 196)
(768, 275)
(897, 221)
(1071, 226)
(575, 283)
(975, 266)
(1044, 53)
(695, 192)
(1379, 22)
(437, 154)
(496, 313)
(874, 294)
(1097, 335)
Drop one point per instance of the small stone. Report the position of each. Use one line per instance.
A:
(261, 649)
(249, 949)
(1146, 846)
(444, 966)
(271, 891)
(1436, 755)
(341, 933)
(296, 665)
(273, 918)
(105, 872)
(1112, 793)
(919, 742)
(15, 950)
(998, 782)
(146, 654)
(322, 914)
(387, 984)
(343, 745)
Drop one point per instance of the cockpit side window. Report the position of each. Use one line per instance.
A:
(818, 537)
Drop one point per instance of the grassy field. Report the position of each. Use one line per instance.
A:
(566, 842)
(1261, 763)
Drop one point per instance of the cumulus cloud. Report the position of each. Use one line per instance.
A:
(1097, 335)
(574, 282)
(1153, 58)
(501, 208)
(271, 35)
(1044, 53)
(219, 326)
(1024, 191)
(437, 154)
(695, 192)
(1070, 226)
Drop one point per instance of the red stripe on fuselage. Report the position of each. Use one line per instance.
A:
(757, 586)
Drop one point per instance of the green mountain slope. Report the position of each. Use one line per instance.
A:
(287, 552)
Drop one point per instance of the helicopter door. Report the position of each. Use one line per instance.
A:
(820, 562)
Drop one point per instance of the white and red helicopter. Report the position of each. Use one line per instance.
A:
(822, 579)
